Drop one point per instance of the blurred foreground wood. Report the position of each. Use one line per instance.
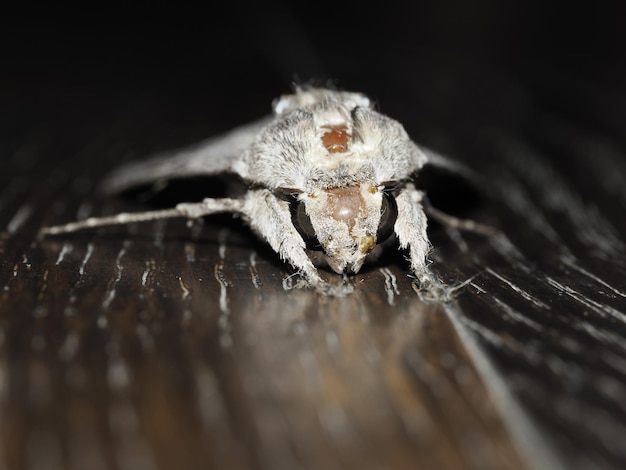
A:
(192, 355)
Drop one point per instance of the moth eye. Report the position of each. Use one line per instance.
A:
(302, 223)
(388, 215)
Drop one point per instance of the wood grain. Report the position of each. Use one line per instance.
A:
(146, 351)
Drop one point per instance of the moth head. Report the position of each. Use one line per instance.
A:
(345, 223)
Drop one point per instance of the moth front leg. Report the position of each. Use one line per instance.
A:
(410, 228)
(270, 218)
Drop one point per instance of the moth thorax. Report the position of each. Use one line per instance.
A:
(335, 138)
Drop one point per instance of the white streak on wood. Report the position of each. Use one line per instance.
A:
(226, 339)
(147, 276)
(222, 249)
(65, 249)
(254, 274)
(601, 309)
(184, 288)
(144, 275)
(88, 254)
(518, 289)
(478, 288)
(391, 285)
(119, 269)
(16, 270)
(218, 272)
(515, 315)
(568, 261)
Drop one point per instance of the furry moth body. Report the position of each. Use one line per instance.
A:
(325, 173)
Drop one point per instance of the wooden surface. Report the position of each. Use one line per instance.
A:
(163, 345)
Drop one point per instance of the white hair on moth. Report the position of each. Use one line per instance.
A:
(306, 96)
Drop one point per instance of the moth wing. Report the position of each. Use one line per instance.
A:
(210, 157)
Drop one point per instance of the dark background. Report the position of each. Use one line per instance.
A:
(438, 65)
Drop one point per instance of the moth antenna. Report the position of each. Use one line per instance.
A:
(119, 219)
(188, 210)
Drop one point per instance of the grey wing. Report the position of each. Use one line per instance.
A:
(210, 157)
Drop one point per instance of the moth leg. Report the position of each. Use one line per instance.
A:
(190, 210)
(454, 222)
(410, 228)
(270, 217)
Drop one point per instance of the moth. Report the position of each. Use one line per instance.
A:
(326, 173)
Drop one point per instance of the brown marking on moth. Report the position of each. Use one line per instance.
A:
(335, 139)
